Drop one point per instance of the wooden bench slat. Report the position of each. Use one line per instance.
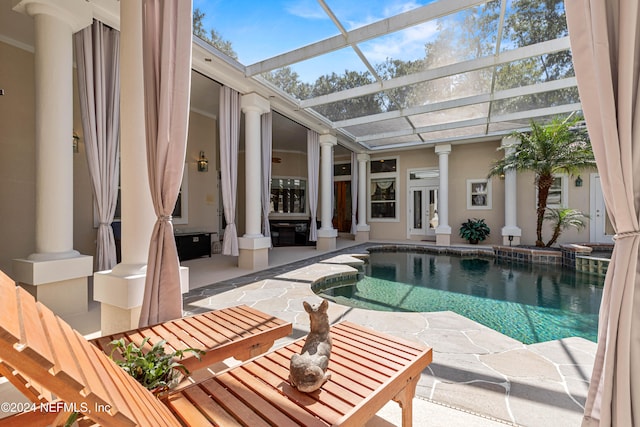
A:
(407, 345)
(266, 401)
(174, 342)
(338, 398)
(186, 333)
(227, 324)
(94, 385)
(213, 411)
(253, 318)
(9, 328)
(32, 336)
(387, 347)
(386, 361)
(365, 383)
(66, 366)
(234, 406)
(339, 386)
(24, 385)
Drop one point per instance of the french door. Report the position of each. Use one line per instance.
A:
(423, 211)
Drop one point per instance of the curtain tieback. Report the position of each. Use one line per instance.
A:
(165, 218)
(104, 224)
(626, 234)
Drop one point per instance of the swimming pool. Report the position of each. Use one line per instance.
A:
(527, 302)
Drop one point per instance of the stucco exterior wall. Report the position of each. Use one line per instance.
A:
(17, 161)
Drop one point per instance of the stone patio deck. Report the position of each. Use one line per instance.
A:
(475, 369)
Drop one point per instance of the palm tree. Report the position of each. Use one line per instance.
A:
(564, 218)
(562, 146)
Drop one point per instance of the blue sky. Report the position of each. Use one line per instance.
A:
(260, 29)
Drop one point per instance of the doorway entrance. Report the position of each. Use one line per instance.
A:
(601, 228)
(342, 213)
(423, 211)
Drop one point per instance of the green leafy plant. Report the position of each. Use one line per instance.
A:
(156, 370)
(561, 146)
(474, 230)
(564, 218)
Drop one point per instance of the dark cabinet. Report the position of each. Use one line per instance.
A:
(193, 245)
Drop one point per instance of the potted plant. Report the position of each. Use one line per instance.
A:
(156, 370)
(474, 230)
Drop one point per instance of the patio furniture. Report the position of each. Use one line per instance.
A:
(368, 369)
(241, 332)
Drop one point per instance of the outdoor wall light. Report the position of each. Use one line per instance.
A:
(578, 181)
(203, 163)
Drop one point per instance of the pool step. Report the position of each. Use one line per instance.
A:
(593, 265)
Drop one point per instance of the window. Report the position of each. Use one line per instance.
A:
(288, 196)
(383, 189)
(342, 169)
(478, 194)
(558, 192)
(180, 214)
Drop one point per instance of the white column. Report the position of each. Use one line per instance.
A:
(137, 214)
(510, 229)
(253, 107)
(120, 291)
(443, 231)
(326, 234)
(253, 245)
(55, 270)
(363, 228)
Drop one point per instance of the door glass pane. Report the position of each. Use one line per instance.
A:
(417, 209)
(433, 209)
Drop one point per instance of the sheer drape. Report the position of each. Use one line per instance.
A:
(266, 128)
(313, 168)
(229, 140)
(354, 193)
(166, 32)
(605, 43)
(98, 59)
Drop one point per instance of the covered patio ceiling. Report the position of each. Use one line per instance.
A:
(451, 71)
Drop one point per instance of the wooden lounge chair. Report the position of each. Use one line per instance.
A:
(368, 369)
(241, 332)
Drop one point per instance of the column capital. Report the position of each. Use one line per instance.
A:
(75, 14)
(443, 149)
(509, 140)
(328, 139)
(254, 102)
(363, 157)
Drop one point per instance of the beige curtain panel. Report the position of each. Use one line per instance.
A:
(605, 43)
(229, 124)
(98, 60)
(166, 32)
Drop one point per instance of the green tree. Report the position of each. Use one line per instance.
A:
(562, 146)
(289, 81)
(527, 23)
(562, 219)
(212, 36)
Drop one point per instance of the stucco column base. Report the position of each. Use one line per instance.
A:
(362, 233)
(514, 232)
(362, 236)
(60, 284)
(326, 239)
(254, 252)
(443, 235)
(121, 297)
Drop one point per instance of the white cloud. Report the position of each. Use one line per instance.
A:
(406, 44)
(306, 9)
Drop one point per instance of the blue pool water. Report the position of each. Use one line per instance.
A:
(527, 302)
